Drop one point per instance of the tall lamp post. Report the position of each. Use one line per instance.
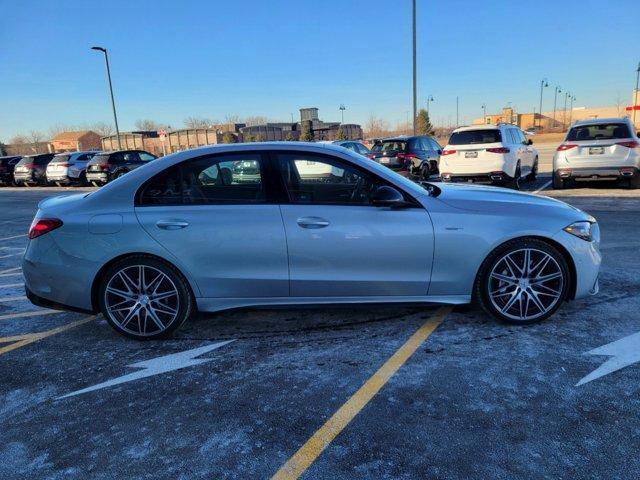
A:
(635, 94)
(573, 97)
(415, 97)
(557, 90)
(543, 83)
(564, 114)
(342, 108)
(484, 113)
(429, 100)
(113, 102)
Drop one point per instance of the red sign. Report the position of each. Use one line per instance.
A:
(632, 107)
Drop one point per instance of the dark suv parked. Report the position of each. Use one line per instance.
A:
(106, 166)
(417, 155)
(32, 169)
(7, 164)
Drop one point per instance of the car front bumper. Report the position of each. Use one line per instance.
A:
(586, 258)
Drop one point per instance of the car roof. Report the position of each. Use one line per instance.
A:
(595, 121)
(483, 126)
(403, 138)
(81, 152)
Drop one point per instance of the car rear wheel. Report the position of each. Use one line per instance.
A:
(523, 281)
(558, 183)
(144, 298)
(515, 181)
(534, 171)
(634, 182)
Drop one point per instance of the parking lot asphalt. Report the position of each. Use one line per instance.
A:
(373, 392)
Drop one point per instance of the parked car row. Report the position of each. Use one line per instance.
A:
(70, 168)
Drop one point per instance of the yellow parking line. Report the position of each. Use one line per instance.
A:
(26, 339)
(311, 450)
(12, 299)
(33, 313)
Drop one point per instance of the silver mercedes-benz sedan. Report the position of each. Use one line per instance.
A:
(267, 224)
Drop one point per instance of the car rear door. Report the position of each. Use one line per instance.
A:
(339, 244)
(216, 215)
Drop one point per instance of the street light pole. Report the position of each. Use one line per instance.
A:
(342, 108)
(555, 97)
(429, 100)
(484, 113)
(635, 94)
(564, 114)
(457, 112)
(573, 97)
(543, 84)
(415, 96)
(113, 102)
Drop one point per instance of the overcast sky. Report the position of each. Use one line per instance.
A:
(209, 58)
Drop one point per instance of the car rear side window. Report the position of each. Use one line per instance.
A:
(599, 131)
(471, 137)
(227, 179)
(390, 146)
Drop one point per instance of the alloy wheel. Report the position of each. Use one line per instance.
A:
(142, 300)
(526, 284)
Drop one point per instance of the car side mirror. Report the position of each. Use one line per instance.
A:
(529, 142)
(386, 196)
(439, 152)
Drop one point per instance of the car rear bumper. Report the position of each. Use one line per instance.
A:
(98, 177)
(493, 177)
(24, 177)
(597, 173)
(58, 178)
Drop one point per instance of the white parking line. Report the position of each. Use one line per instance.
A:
(10, 270)
(543, 187)
(11, 248)
(10, 274)
(33, 313)
(11, 285)
(11, 238)
(12, 299)
(12, 255)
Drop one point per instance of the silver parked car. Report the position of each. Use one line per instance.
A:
(598, 149)
(298, 223)
(70, 167)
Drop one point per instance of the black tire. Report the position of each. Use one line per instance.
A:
(534, 171)
(515, 181)
(483, 282)
(185, 303)
(425, 171)
(121, 173)
(82, 180)
(558, 183)
(634, 182)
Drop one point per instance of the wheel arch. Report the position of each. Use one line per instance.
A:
(558, 246)
(95, 304)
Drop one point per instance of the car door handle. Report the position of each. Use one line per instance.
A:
(312, 222)
(171, 224)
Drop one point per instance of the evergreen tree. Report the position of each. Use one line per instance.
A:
(290, 137)
(341, 135)
(228, 137)
(423, 124)
(307, 134)
(248, 138)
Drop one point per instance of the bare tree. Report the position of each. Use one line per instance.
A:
(199, 122)
(255, 120)
(148, 125)
(102, 128)
(59, 128)
(19, 139)
(376, 127)
(232, 119)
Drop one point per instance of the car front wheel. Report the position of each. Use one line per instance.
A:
(144, 298)
(523, 281)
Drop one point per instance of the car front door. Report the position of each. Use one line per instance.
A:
(215, 214)
(339, 244)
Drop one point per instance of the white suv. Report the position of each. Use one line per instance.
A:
(498, 154)
(602, 149)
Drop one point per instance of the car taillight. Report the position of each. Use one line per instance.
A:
(104, 166)
(629, 144)
(28, 166)
(498, 150)
(41, 226)
(61, 164)
(566, 146)
(406, 156)
(448, 152)
(371, 156)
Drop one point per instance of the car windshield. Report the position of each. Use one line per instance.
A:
(599, 131)
(389, 145)
(471, 137)
(61, 158)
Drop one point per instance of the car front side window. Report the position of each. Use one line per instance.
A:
(322, 180)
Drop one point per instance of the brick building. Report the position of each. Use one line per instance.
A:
(75, 141)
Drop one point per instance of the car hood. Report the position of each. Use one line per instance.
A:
(495, 199)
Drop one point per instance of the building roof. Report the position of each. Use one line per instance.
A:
(72, 136)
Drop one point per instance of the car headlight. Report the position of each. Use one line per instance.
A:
(581, 230)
